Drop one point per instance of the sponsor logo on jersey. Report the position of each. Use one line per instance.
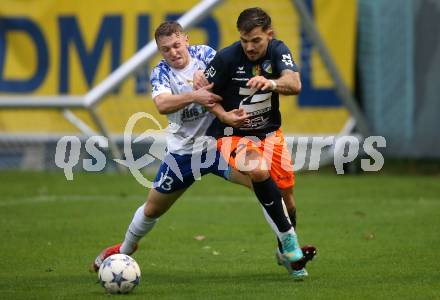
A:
(257, 107)
(240, 70)
(193, 113)
(287, 60)
(210, 72)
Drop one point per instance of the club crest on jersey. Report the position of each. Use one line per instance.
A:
(267, 66)
(256, 70)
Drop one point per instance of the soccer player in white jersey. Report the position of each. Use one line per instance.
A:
(189, 119)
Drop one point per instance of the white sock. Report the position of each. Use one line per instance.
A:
(272, 224)
(139, 227)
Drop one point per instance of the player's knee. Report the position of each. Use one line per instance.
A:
(259, 175)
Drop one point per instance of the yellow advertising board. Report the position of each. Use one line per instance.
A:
(61, 47)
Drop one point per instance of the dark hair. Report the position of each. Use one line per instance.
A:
(251, 18)
(167, 29)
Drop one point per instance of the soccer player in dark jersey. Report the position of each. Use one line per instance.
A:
(249, 75)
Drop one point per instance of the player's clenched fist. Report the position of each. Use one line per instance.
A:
(199, 80)
(260, 83)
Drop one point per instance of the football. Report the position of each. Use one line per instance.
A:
(119, 274)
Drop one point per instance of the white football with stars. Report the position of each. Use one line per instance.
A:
(119, 274)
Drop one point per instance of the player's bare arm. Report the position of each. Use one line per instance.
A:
(289, 83)
(235, 118)
(167, 103)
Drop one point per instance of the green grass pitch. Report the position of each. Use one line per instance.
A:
(378, 238)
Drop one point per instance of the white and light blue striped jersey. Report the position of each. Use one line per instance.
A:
(192, 121)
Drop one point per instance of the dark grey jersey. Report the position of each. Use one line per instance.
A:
(230, 70)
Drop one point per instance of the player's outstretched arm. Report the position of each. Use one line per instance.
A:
(235, 118)
(167, 103)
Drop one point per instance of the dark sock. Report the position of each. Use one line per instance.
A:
(270, 197)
